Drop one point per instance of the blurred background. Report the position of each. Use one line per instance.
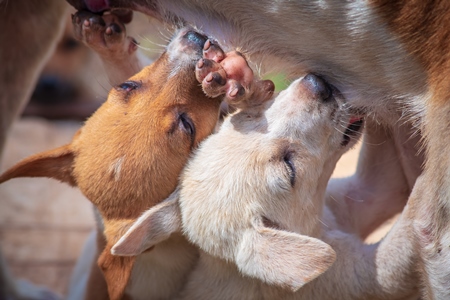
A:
(44, 223)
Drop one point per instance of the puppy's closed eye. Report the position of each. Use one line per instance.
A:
(290, 167)
(184, 124)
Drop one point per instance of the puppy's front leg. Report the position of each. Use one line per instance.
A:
(107, 36)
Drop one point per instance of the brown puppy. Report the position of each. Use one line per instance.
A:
(390, 58)
(129, 154)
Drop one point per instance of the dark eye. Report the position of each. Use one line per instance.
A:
(186, 124)
(287, 159)
(128, 86)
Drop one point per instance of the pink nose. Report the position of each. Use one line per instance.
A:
(316, 87)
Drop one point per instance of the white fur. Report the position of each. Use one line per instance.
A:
(236, 178)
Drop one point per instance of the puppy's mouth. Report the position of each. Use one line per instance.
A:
(353, 129)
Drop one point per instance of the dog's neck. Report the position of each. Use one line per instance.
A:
(168, 262)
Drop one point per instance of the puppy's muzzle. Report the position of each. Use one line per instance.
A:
(316, 88)
(188, 43)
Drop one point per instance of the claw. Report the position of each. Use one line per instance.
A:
(204, 67)
(213, 51)
(237, 90)
(207, 45)
(97, 20)
(219, 79)
(115, 28)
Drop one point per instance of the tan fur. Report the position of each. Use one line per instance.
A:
(127, 158)
(264, 236)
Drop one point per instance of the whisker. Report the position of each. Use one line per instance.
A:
(339, 130)
(323, 223)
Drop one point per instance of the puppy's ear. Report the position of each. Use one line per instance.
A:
(153, 227)
(56, 163)
(283, 258)
(117, 272)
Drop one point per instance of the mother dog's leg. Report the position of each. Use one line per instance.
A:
(430, 202)
(29, 32)
(107, 36)
(382, 182)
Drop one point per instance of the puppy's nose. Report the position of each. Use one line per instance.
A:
(316, 87)
(196, 38)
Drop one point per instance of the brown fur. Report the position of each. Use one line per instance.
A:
(133, 149)
(424, 28)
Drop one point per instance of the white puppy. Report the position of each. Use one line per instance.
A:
(252, 199)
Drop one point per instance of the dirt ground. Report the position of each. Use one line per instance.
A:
(44, 223)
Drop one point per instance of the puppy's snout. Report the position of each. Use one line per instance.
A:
(316, 87)
(196, 38)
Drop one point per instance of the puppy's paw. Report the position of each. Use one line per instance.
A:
(230, 75)
(212, 77)
(104, 34)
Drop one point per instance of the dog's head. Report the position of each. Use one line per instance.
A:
(253, 192)
(129, 154)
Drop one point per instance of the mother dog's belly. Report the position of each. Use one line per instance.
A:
(346, 42)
